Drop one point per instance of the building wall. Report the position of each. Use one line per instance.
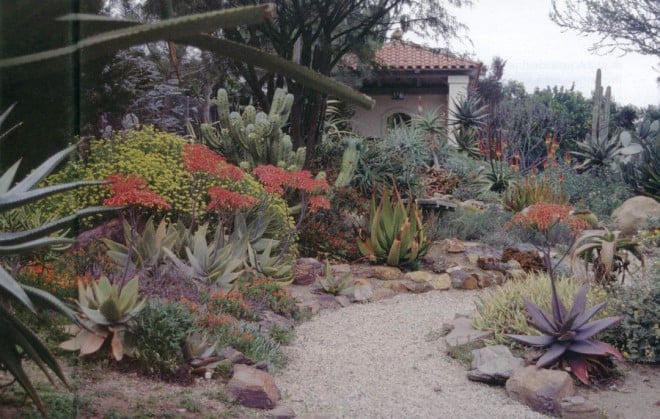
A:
(372, 123)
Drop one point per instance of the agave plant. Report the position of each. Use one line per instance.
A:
(200, 353)
(396, 233)
(467, 141)
(147, 249)
(568, 336)
(608, 253)
(17, 341)
(105, 313)
(332, 284)
(218, 262)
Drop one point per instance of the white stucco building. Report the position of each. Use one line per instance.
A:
(410, 78)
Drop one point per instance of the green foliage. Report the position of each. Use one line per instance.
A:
(262, 292)
(281, 335)
(396, 233)
(533, 190)
(254, 138)
(106, 311)
(160, 331)
(497, 178)
(503, 311)
(396, 160)
(471, 224)
(638, 333)
(642, 172)
(232, 304)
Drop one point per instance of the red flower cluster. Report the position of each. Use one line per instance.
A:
(275, 179)
(199, 158)
(223, 199)
(543, 217)
(132, 190)
(318, 202)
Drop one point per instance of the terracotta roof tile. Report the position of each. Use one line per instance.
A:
(406, 55)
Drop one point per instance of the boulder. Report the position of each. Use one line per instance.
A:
(540, 389)
(383, 293)
(343, 300)
(396, 286)
(463, 280)
(384, 273)
(236, 357)
(454, 246)
(493, 364)
(253, 388)
(306, 270)
(577, 407)
(634, 214)
(440, 282)
(361, 292)
(417, 287)
(418, 276)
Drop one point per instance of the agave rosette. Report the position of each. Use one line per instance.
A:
(568, 335)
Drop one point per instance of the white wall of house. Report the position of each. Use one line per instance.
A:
(373, 123)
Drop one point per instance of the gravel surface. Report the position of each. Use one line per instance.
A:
(386, 360)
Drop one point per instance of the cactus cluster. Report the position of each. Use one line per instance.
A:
(254, 138)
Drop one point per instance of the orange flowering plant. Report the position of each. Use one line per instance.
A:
(281, 181)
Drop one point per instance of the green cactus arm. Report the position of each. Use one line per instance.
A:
(109, 42)
(8, 238)
(303, 75)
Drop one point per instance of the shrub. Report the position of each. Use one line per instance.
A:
(262, 292)
(638, 333)
(504, 312)
(160, 331)
(231, 303)
(469, 224)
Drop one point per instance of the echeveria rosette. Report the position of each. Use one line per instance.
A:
(568, 335)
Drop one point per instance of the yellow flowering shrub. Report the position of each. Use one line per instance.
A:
(157, 157)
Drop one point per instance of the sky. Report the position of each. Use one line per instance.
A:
(539, 54)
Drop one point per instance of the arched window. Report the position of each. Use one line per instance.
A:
(398, 119)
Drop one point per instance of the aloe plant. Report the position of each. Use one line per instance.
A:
(332, 284)
(642, 171)
(396, 233)
(568, 335)
(17, 341)
(105, 313)
(608, 253)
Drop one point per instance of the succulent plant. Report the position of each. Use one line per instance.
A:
(608, 253)
(147, 248)
(105, 313)
(218, 262)
(254, 137)
(332, 284)
(568, 335)
(17, 341)
(396, 233)
(643, 171)
(200, 353)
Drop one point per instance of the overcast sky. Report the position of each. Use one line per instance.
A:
(539, 54)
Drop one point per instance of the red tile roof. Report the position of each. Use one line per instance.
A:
(402, 55)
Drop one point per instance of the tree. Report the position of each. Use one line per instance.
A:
(317, 34)
(624, 25)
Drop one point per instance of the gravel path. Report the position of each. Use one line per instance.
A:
(386, 360)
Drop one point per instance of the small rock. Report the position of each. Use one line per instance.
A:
(540, 389)
(326, 301)
(454, 246)
(253, 388)
(269, 319)
(493, 364)
(383, 293)
(513, 264)
(418, 276)
(236, 357)
(396, 286)
(463, 335)
(362, 292)
(463, 280)
(261, 365)
(417, 287)
(282, 412)
(343, 300)
(577, 407)
(384, 273)
(342, 269)
(440, 282)
(309, 307)
(306, 271)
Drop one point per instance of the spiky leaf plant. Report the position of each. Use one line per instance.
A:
(106, 312)
(396, 233)
(567, 335)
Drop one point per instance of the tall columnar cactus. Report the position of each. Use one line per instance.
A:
(254, 138)
(600, 121)
(349, 162)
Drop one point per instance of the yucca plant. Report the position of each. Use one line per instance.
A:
(105, 313)
(609, 255)
(396, 233)
(17, 341)
(567, 335)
